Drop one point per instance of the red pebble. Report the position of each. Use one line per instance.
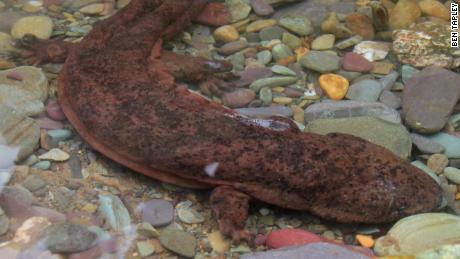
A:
(291, 237)
(54, 111)
(214, 14)
(356, 63)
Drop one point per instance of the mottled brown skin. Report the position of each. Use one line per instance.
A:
(120, 93)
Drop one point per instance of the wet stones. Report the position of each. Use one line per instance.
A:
(429, 98)
(321, 62)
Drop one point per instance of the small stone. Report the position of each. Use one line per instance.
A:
(291, 237)
(298, 24)
(260, 24)
(39, 26)
(383, 68)
(31, 231)
(238, 98)
(214, 14)
(272, 82)
(264, 57)
(42, 165)
(407, 72)
(437, 162)
(261, 8)
(114, 212)
(33, 81)
(390, 99)
(69, 238)
(290, 40)
(157, 212)
(361, 25)
(34, 182)
(54, 137)
(282, 70)
(226, 33)
(266, 96)
(453, 174)
(271, 33)
(321, 62)
(55, 154)
(20, 100)
(239, 9)
(365, 90)
(450, 143)
(93, 9)
(445, 251)
(145, 248)
(249, 75)
(323, 42)
(218, 242)
(54, 111)
(346, 43)
(334, 86)
(356, 63)
(179, 242)
(389, 80)
(425, 145)
(404, 14)
(282, 100)
(49, 124)
(434, 8)
(232, 47)
(372, 50)
(147, 230)
(188, 214)
(281, 52)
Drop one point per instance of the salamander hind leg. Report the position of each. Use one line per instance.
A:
(231, 209)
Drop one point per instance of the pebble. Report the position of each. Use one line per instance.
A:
(271, 33)
(147, 230)
(32, 80)
(6, 45)
(187, 214)
(115, 213)
(218, 242)
(298, 24)
(260, 24)
(445, 251)
(392, 136)
(26, 133)
(356, 63)
(291, 237)
(42, 165)
(435, 9)
(321, 62)
(390, 99)
(290, 40)
(365, 240)
(238, 98)
(346, 43)
(49, 124)
(34, 182)
(30, 231)
(282, 70)
(429, 98)
(265, 112)
(389, 80)
(365, 90)
(264, 57)
(425, 145)
(453, 174)
(404, 14)
(54, 111)
(334, 86)
(372, 50)
(281, 52)
(179, 242)
(249, 75)
(382, 68)
(407, 72)
(323, 42)
(4, 222)
(437, 163)
(20, 100)
(145, 248)
(262, 8)
(157, 212)
(360, 24)
(266, 95)
(404, 237)
(55, 154)
(39, 26)
(68, 238)
(282, 100)
(226, 33)
(54, 137)
(321, 250)
(232, 47)
(214, 14)
(272, 82)
(239, 9)
(450, 143)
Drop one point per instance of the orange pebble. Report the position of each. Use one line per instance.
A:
(300, 52)
(457, 196)
(366, 241)
(286, 61)
(334, 86)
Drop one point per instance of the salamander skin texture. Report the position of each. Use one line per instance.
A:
(121, 93)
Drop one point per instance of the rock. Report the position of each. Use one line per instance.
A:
(281, 52)
(425, 44)
(386, 134)
(19, 132)
(427, 170)
(426, 145)
(238, 98)
(6, 43)
(40, 26)
(55, 154)
(291, 237)
(346, 109)
(49, 124)
(147, 230)
(453, 174)
(261, 8)
(450, 143)
(446, 251)
(334, 86)
(53, 137)
(226, 33)
(282, 70)
(187, 214)
(68, 238)
(20, 100)
(437, 229)
(272, 82)
(437, 163)
(93, 9)
(323, 42)
(372, 50)
(292, 41)
(232, 47)
(320, 250)
(266, 95)
(115, 213)
(271, 33)
(404, 14)
(407, 72)
(389, 80)
(27, 78)
(298, 24)
(31, 231)
(178, 241)
(157, 212)
(429, 98)
(239, 9)
(356, 63)
(34, 182)
(360, 24)
(4, 222)
(264, 57)
(214, 14)
(365, 90)
(321, 62)
(382, 68)
(265, 112)
(435, 9)
(145, 248)
(218, 242)
(390, 99)
(249, 75)
(346, 43)
(260, 25)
